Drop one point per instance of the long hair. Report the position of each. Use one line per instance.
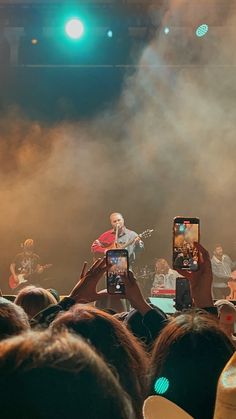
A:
(46, 375)
(120, 349)
(189, 354)
(13, 319)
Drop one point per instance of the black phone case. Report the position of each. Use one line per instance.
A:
(183, 298)
(112, 282)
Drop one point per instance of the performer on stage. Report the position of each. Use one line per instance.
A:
(25, 266)
(165, 277)
(118, 237)
(223, 273)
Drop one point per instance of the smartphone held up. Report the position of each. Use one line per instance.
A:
(183, 298)
(117, 261)
(186, 232)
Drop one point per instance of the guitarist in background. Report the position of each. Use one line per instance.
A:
(117, 237)
(26, 263)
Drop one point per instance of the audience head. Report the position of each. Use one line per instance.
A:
(120, 349)
(13, 319)
(46, 375)
(134, 322)
(34, 299)
(188, 356)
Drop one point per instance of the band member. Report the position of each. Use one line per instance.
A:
(165, 277)
(26, 265)
(118, 237)
(223, 272)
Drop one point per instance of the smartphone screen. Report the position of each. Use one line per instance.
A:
(118, 265)
(185, 233)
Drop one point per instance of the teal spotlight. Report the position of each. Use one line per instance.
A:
(166, 30)
(74, 28)
(161, 385)
(202, 30)
(109, 33)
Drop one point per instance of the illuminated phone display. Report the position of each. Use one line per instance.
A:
(118, 266)
(185, 233)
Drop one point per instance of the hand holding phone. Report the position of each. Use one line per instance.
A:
(186, 232)
(117, 261)
(183, 298)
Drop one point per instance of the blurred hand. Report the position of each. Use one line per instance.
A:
(132, 293)
(201, 280)
(85, 289)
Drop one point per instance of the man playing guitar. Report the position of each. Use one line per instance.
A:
(26, 266)
(118, 237)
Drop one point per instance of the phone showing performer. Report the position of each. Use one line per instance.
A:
(117, 261)
(186, 231)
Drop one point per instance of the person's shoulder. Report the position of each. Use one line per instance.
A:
(173, 272)
(131, 232)
(106, 233)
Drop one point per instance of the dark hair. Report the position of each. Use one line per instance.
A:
(115, 343)
(44, 375)
(13, 319)
(34, 299)
(191, 351)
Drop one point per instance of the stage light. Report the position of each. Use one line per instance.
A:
(74, 28)
(109, 33)
(202, 30)
(34, 41)
(166, 30)
(161, 385)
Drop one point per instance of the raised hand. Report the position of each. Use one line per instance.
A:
(201, 280)
(85, 289)
(132, 294)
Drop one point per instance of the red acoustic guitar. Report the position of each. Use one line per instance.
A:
(24, 277)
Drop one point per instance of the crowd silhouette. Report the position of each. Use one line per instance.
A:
(67, 358)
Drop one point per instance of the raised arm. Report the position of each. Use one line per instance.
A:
(201, 280)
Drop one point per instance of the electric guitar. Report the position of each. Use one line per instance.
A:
(24, 277)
